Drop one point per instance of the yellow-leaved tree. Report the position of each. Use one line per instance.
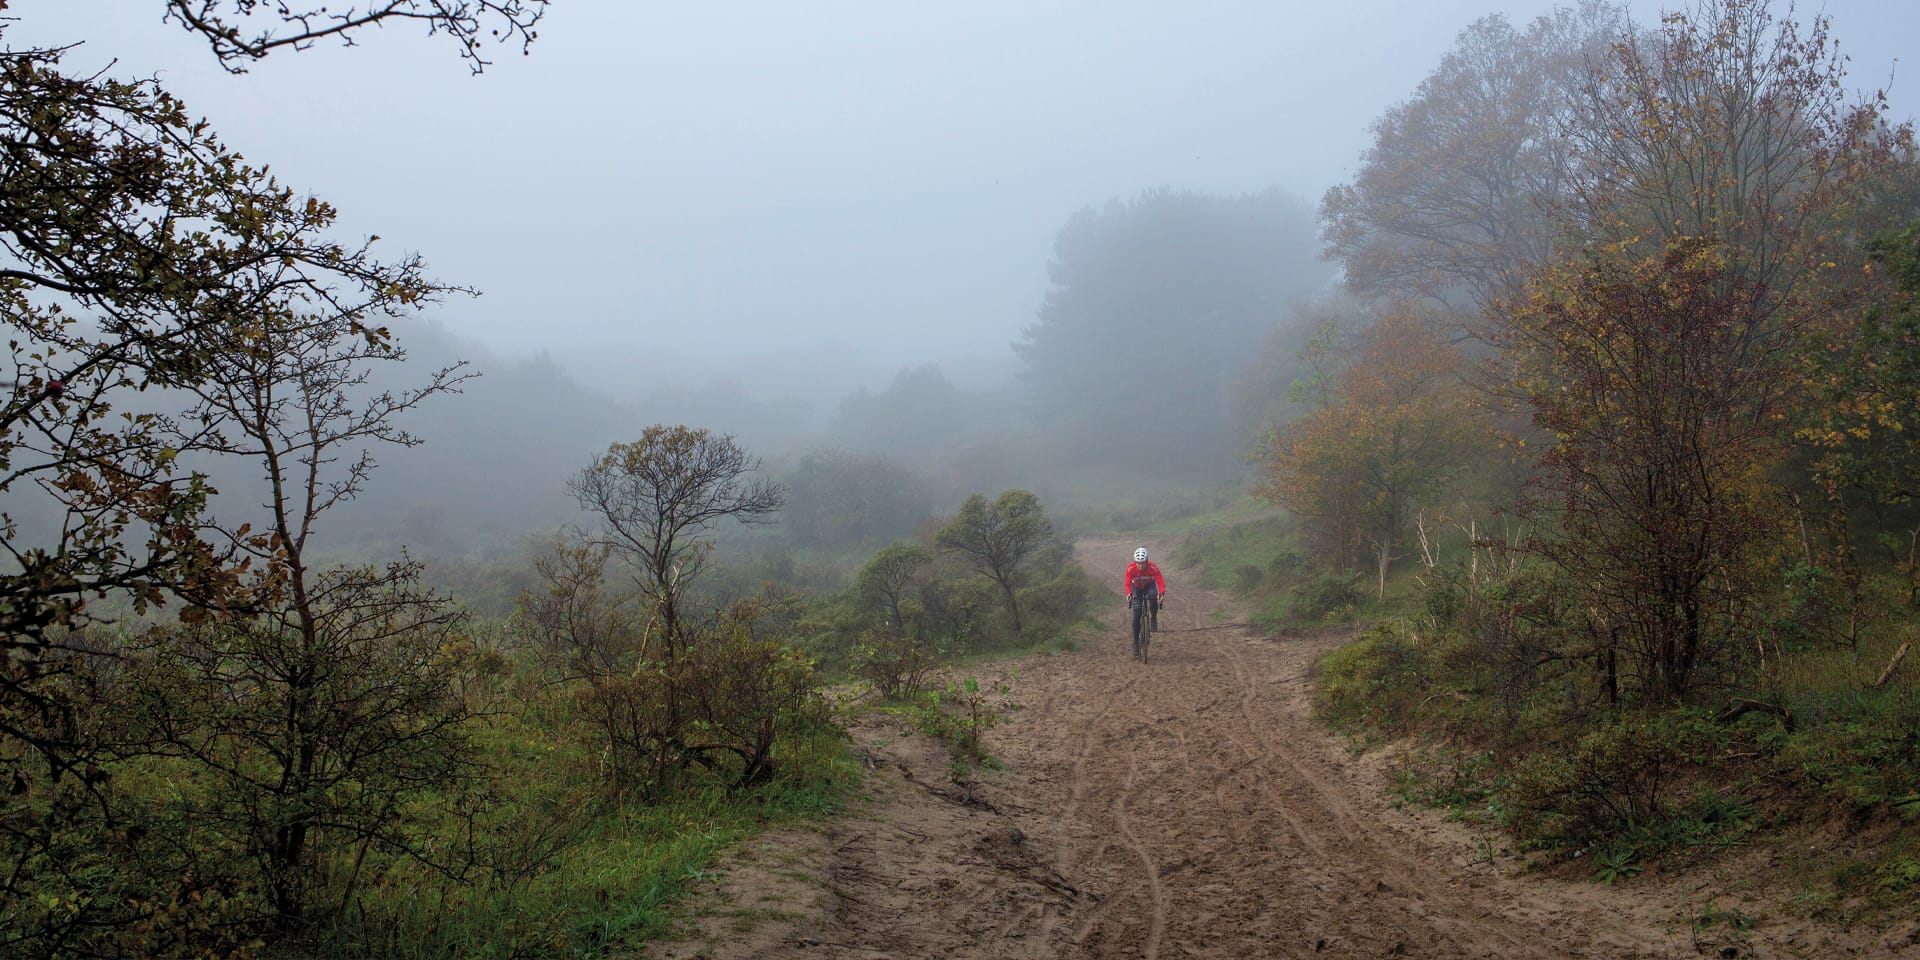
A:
(1389, 444)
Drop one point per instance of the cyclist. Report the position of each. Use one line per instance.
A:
(1143, 581)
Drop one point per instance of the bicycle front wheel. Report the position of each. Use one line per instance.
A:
(1146, 630)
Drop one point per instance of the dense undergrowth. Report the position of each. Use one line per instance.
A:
(543, 783)
(564, 868)
(1476, 677)
(515, 837)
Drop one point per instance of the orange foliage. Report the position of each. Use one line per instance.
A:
(1388, 446)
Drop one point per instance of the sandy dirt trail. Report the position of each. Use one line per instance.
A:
(1183, 808)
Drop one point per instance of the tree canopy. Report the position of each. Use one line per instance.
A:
(656, 499)
(997, 537)
(1460, 194)
(1395, 435)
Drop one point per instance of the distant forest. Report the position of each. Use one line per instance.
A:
(1155, 363)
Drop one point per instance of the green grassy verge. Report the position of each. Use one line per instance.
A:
(573, 872)
(1258, 552)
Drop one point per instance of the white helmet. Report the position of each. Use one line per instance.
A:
(1140, 555)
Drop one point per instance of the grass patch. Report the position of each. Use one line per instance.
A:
(568, 871)
(1861, 748)
(1244, 556)
(1171, 513)
(1259, 555)
(1467, 784)
(960, 715)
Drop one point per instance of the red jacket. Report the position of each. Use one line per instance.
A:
(1126, 582)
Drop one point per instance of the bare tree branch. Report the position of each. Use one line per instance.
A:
(239, 32)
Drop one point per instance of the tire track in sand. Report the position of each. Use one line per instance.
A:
(1359, 852)
(1089, 740)
(1157, 920)
(1422, 899)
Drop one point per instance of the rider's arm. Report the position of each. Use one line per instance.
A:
(1159, 580)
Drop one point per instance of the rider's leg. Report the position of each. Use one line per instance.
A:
(1133, 622)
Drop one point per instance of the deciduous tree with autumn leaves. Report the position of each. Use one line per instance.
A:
(144, 263)
(1388, 446)
(1663, 232)
(1689, 253)
(1663, 421)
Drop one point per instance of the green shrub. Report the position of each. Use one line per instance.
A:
(1528, 649)
(1466, 784)
(1897, 875)
(961, 715)
(1444, 595)
(1860, 747)
(1327, 596)
(1803, 613)
(1374, 681)
(897, 664)
(1059, 602)
(1619, 779)
(1247, 578)
(723, 703)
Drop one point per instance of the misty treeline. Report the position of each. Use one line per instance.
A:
(1624, 396)
(1151, 368)
(1151, 371)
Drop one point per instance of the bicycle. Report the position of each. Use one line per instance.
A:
(1143, 599)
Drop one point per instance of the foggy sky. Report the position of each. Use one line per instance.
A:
(805, 196)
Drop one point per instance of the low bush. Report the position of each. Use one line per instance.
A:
(899, 665)
(1375, 681)
(1058, 603)
(961, 715)
(1862, 748)
(1466, 784)
(1617, 779)
(1327, 597)
(722, 703)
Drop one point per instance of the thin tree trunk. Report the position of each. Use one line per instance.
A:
(1893, 665)
(1613, 670)
(1386, 557)
(1013, 606)
(1473, 561)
